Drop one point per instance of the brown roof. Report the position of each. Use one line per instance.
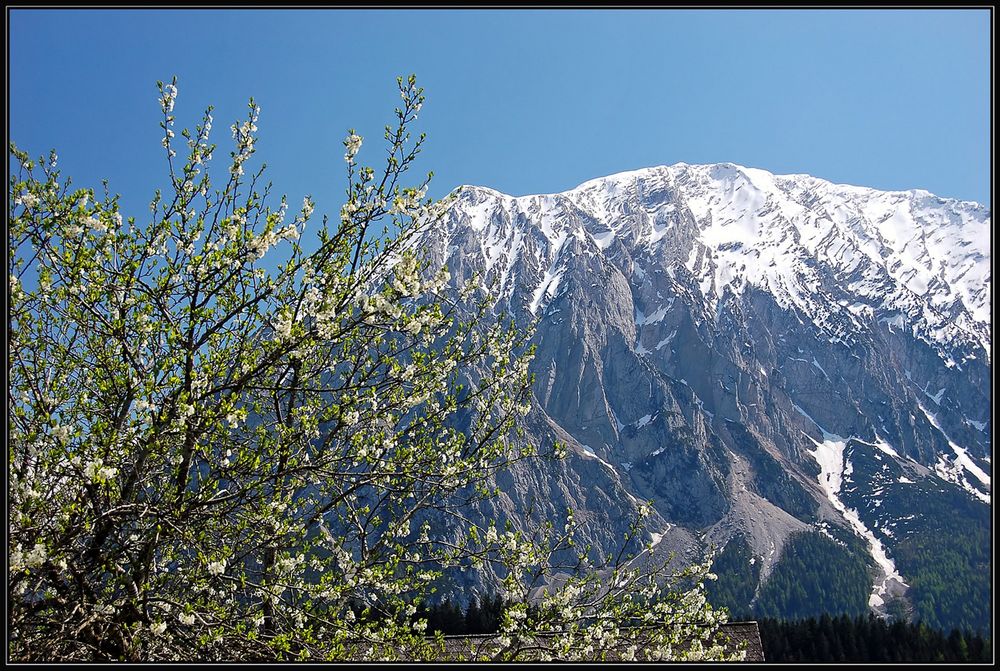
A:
(749, 632)
(738, 634)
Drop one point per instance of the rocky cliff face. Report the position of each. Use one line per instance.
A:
(739, 347)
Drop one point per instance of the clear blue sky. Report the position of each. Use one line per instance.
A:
(521, 101)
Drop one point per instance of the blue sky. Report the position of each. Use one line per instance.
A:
(524, 101)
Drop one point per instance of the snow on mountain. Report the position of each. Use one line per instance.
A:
(759, 355)
(842, 256)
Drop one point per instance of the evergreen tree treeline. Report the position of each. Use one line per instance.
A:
(867, 639)
(448, 617)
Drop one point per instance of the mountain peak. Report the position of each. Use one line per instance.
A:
(845, 256)
(759, 177)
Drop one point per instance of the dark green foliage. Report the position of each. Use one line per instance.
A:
(446, 617)
(815, 575)
(738, 578)
(867, 639)
(940, 544)
(449, 618)
(949, 575)
(484, 618)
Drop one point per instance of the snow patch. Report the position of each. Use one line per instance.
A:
(979, 425)
(881, 445)
(619, 425)
(588, 453)
(935, 397)
(896, 320)
(807, 416)
(816, 364)
(829, 455)
(962, 461)
(661, 312)
(546, 288)
(603, 240)
(665, 341)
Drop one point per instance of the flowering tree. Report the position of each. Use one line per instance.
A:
(214, 458)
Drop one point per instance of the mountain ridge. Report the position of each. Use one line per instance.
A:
(909, 277)
(739, 166)
(735, 346)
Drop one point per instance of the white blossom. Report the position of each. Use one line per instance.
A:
(37, 555)
(186, 618)
(61, 433)
(353, 144)
(217, 567)
(283, 326)
(290, 233)
(16, 558)
(28, 200)
(168, 98)
(158, 628)
(96, 471)
(94, 223)
(286, 564)
(440, 279)
(413, 327)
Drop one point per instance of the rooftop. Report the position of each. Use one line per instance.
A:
(741, 635)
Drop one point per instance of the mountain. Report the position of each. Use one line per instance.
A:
(781, 364)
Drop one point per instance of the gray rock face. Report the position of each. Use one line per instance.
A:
(721, 341)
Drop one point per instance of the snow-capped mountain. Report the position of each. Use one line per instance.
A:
(834, 252)
(738, 346)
